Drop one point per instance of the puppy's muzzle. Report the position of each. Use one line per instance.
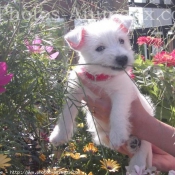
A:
(121, 60)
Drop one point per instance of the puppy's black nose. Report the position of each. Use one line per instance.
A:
(121, 60)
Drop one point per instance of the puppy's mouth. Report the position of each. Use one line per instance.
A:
(114, 67)
(117, 68)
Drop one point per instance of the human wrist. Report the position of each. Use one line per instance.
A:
(137, 127)
(138, 119)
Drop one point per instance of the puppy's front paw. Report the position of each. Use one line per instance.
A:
(59, 137)
(117, 140)
(133, 144)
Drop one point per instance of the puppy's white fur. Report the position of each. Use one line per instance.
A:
(122, 91)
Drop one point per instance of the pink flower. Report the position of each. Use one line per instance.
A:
(49, 49)
(130, 73)
(142, 57)
(4, 77)
(173, 53)
(157, 42)
(150, 40)
(37, 47)
(142, 40)
(44, 136)
(165, 58)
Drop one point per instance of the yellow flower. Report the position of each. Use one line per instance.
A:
(71, 147)
(42, 157)
(80, 125)
(54, 171)
(20, 154)
(4, 160)
(90, 173)
(79, 172)
(110, 165)
(90, 148)
(75, 156)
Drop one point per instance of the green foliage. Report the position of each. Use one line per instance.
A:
(157, 81)
(92, 162)
(34, 98)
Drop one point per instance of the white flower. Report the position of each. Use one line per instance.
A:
(137, 170)
(151, 171)
(172, 172)
(142, 171)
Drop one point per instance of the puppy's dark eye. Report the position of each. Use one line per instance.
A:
(121, 41)
(100, 48)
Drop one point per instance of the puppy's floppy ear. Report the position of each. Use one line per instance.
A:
(75, 38)
(124, 21)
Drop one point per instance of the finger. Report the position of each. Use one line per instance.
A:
(157, 150)
(100, 104)
(89, 102)
(103, 105)
(102, 118)
(123, 149)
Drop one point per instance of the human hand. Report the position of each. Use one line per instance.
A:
(102, 107)
(161, 160)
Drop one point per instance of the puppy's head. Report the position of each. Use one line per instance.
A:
(104, 42)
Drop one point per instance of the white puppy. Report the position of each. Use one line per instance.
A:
(105, 59)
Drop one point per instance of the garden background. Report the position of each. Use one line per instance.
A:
(34, 65)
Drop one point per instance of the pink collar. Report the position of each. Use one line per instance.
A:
(97, 77)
